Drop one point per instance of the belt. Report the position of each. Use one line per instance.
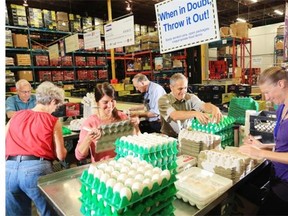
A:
(24, 158)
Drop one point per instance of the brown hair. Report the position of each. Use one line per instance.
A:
(106, 89)
(273, 75)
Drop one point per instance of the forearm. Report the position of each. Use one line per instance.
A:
(209, 108)
(140, 107)
(182, 115)
(281, 157)
(83, 147)
(10, 114)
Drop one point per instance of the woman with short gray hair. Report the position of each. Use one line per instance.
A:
(33, 140)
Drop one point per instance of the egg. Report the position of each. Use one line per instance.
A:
(129, 182)
(104, 177)
(115, 174)
(143, 163)
(126, 192)
(124, 169)
(112, 163)
(122, 177)
(135, 160)
(121, 160)
(137, 186)
(91, 169)
(98, 173)
(117, 187)
(109, 169)
(165, 174)
(157, 178)
(141, 169)
(157, 170)
(111, 182)
(102, 166)
(148, 166)
(148, 173)
(139, 177)
(99, 197)
(129, 158)
(132, 173)
(118, 166)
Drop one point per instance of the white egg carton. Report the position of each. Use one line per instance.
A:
(185, 162)
(200, 187)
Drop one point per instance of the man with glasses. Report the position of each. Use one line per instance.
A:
(178, 107)
(152, 92)
(23, 99)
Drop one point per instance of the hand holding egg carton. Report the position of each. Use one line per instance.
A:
(113, 186)
(224, 129)
(227, 163)
(161, 151)
(111, 132)
(192, 142)
(75, 124)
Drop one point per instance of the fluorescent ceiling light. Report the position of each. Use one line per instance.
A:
(240, 20)
(254, 1)
(278, 12)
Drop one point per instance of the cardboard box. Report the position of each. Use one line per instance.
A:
(25, 75)
(9, 39)
(20, 40)
(57, 76)
(23, 59)
(129, 87)
(45, 76)
(123, 93)
(238, 72)
(118, 87)
(61, 16)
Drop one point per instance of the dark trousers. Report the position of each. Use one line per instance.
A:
(150, 127)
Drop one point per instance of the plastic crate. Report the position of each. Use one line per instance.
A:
(263, 124)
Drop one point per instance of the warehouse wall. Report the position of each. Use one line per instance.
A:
(263, 45)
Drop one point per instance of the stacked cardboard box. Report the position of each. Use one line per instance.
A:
(87, 24)
(23, 59)
(35, 18)
(49, 19)
(20, 40)
(45, 76)
(75, 23)
(25, 75)
(62, 21)
(99, 24)
(9, 40)
(68, 75)
(57, 76)
(19, 15)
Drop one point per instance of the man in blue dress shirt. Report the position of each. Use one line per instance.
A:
(23, 99)
(152, 92)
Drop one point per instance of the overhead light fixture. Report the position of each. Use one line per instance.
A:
(254, 1)
(128, 8)
(25, 4)
(278, 12)
(240, 19)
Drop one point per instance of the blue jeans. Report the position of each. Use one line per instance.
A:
(21, 186)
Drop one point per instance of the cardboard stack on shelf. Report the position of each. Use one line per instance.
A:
(87, 24)
(19, 16)
(75, 23)
(35, 18)
(62, 21)
(49, 19)
(240, 29)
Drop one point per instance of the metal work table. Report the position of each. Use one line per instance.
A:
(62, 190)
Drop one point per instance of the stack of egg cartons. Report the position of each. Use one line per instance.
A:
(158, 150)
(228, 163)
(224, 129)
(200, 187)
(111, 132)
(192, 142)
(128, 186)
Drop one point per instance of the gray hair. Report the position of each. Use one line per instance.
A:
(175, 77)
(140, 78)
(22, 82)
(47, 91)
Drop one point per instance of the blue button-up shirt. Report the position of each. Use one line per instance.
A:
(14, 103)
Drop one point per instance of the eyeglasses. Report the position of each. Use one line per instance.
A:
(25, 92)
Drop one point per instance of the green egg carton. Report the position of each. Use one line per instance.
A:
(168, 211)
(114, 199)
(144, 150)
(101, 207)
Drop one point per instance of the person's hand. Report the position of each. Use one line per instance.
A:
(250, 150)
(216, 115)
(203, 118)
(134, 120)
(250, 140)
(94, 134)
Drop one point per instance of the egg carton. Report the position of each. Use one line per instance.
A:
(225, 123)
(147, 206)
(124, 181)
(229, 164)
(111, 132)
(147, 143)
(199, 187)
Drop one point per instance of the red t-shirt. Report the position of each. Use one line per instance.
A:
(31, 133)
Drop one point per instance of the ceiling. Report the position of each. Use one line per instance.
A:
(258, 14)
